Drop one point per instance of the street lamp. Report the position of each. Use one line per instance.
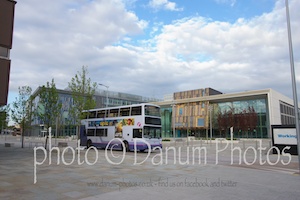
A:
(293, 78)
(106, 92)
(173, 113)
(210, 120)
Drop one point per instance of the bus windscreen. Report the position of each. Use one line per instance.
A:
(152, 111)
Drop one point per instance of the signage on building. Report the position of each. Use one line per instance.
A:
(283, 136)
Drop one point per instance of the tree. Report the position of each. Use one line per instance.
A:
(21, 110)
(83, 91)
(4, 110)
(253, 118)
(49, 106)
(244, 122)
(222, 124)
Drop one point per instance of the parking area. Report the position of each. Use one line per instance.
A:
(32, 173)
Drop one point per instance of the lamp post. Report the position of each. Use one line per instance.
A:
(106, 104)
(173, 113)
(293, 78)
(210, 121)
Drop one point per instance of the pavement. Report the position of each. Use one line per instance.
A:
(172, 173)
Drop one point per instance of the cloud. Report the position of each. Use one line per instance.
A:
(230, 2)
(164, 4)
(54, 39)
(65, 35)
(244, 55)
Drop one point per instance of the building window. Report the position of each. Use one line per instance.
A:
(200, 122)
(287, 114)
(180, 111)
(4, 52)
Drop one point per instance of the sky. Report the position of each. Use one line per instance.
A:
(154, 48)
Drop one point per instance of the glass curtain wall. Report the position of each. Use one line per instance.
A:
(249, 119)
(166, 122)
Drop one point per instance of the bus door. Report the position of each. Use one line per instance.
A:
(127, 133)
(83, 136)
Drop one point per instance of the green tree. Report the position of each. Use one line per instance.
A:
(21, 111)
(83, 90)
(4, 110)
(48, 108)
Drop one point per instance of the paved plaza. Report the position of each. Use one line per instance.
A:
(162, 175)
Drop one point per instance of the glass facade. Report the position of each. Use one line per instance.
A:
(166, 122)
(249, 119)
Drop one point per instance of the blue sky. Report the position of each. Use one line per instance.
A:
(222, 10)
(155, 47)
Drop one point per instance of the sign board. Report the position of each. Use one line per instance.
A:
(285, 135)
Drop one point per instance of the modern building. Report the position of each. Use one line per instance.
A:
(103, 98)
(7, 10)
(209, 113)
(205, 113)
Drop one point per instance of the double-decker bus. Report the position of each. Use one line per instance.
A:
(119, 126)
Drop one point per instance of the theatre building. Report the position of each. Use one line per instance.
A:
(209, 113)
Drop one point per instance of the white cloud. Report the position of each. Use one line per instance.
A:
(164, 4)
(195, 52)
(247, 54)
(230, 2)
(47, 36)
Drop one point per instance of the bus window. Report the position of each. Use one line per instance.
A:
(90, 132)
(152, 111)
(152, 132)
(124, 111)
(101, 132)
(92, 114)
(101, 114)
(151, 120)
(113, 113)
(136, 110)
(137, 133)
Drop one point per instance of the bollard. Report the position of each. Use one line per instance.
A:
(270, 144)
(244, 145)
(256, 145)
